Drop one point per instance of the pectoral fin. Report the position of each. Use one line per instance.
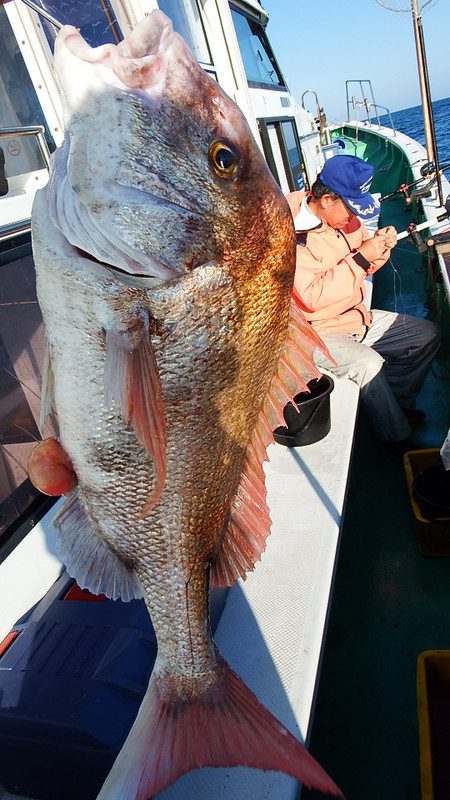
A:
(47, 388)
(249, 524)
(132, 379)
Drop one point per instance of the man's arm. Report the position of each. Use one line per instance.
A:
(320, 284)
(376, 250)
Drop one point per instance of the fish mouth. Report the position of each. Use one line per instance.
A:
(137, 62)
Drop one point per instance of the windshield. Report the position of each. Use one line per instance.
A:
(260, 65)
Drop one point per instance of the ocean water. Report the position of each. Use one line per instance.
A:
(410, 121)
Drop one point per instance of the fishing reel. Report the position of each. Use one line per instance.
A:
(412, 191)
(440, 242)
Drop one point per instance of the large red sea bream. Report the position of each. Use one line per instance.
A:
(165, 260)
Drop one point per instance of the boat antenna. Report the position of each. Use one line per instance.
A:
(427, 109)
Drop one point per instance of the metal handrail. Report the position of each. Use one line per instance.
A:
(30, 130)
(389, 115)
(14, 229)
(366, 103)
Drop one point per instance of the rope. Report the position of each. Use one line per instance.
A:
(404, 10)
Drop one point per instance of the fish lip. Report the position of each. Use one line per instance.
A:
(72, 39)
(137, 62)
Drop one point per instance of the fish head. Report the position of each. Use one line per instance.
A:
(159, 172)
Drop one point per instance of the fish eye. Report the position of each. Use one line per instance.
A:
(223, 159)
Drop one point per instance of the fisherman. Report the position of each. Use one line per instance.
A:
(386, 353)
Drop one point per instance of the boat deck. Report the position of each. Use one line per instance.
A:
(390, 602)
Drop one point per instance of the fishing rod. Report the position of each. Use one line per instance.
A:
(413, 231)
(426, 170)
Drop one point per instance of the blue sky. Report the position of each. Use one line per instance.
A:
(319, 45)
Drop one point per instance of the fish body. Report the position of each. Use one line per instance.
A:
(165, 256)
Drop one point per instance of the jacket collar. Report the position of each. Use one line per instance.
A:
(305, 220)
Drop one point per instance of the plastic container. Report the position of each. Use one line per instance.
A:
(73, 673)
(432, 536)
(431, 488)
(312, 421)
(433, 708)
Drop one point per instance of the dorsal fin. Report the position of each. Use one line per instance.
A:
(249, 523)
(132, 378)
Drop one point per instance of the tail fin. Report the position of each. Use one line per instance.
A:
(227, 726)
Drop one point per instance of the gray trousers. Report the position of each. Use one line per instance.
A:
(389, 364)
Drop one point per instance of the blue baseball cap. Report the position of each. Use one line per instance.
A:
(350, 177)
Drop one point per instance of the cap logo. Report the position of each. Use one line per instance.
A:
(363, 212)
(365, 186)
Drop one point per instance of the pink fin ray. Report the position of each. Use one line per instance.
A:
(88, 558)
(132, 377)
(48, 388)
(226, 726)
(245, 538)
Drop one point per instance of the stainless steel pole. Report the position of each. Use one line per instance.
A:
(428, 120)
(422, 80)
(43, 13)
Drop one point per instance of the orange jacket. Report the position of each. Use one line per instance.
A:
(329, 283)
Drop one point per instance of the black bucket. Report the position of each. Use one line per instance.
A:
(431, 488)
(312, 421)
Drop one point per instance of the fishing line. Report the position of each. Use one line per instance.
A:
(10, 455)
(27, 432)
(395, 275)
(22, 383)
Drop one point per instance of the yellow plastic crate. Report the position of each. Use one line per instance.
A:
(433, 709)
(432, 536)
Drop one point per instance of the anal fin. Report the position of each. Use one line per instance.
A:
(88, 558)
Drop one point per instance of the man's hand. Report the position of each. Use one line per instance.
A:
(376, 247)
(390, 235)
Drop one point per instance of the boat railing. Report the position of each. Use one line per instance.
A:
(12, 229)
(367, 102)
(386, 110)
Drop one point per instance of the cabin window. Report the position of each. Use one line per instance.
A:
(283, 153)
(187, 22)
(291, 147)
(95, 20)
(259, 61)
(21, 358)
(19, 104)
